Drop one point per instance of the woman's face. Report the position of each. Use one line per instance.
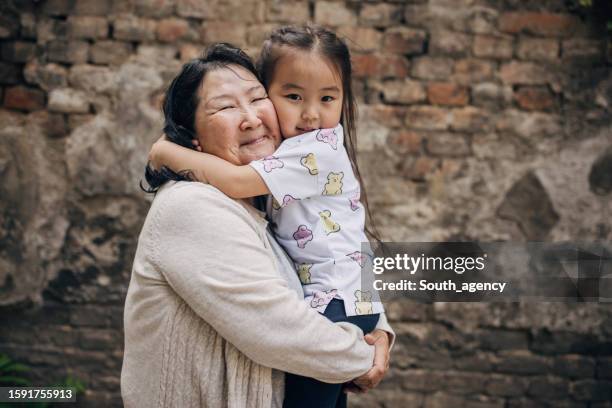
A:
(235, 120)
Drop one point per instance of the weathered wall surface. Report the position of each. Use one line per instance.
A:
(480, 119)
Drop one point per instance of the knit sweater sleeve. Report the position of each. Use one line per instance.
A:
(212, 255)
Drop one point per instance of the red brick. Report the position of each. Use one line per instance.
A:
(92, 7)
(171, 29)
(110, 52)
(432, 68)
(403, 91)
(524, 73)
(10, 74)
(334, 14)
(470, 119)
(87, 27)
(28, 26)
(539, 23)
(18, 51)
(534, 98)
(130, 28)
(53, 124)
(406, 141)
(385, 115)
(57, 7)
(444, 93)
(215, 31)
(47, 76)
(404, 40)
(468, 71)
(287, 12)
(72, 52)
(447, 144)
(195, 8)
(258, 33)
(240, 11)
(23, 98)
(583, 48)
(9, 23)
(538, 48)
(153, 8)
(380, 66)
(427, 117)
(490, 46)
(362, 39)
(420, 168)
(380, 15)
(443, 42)
(48, 29)
(189, 52)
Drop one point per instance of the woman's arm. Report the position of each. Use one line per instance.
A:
(214, 258)
(235, 181)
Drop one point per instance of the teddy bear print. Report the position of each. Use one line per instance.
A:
(363, 304)
(288, 199)
(270, 163)
(354, 201)
(358, 257)
(334, 184)
(302, 236)
(304, 273)
(328, 136)
(322, 298)
(310, 162)
(329, 224)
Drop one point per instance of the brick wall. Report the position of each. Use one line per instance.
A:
(479, 119)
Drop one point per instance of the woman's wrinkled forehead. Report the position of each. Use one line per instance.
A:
(229, 82)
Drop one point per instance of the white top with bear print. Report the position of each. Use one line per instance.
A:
(320, 222)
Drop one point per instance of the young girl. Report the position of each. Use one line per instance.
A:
(313, 179)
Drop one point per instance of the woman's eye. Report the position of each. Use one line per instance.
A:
(225, 108)
(263, 98)
(294, 97)
(327, 98)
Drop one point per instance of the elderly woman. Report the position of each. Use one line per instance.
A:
(213, 313)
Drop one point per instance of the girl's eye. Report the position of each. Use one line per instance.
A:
(327, 98)
(294, 97)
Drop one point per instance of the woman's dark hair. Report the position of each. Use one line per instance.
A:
(181, 102)
(313, 38)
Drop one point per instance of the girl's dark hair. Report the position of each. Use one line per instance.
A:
(319, 39)
(181, 103)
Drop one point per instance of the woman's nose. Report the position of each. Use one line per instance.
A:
(250, 119)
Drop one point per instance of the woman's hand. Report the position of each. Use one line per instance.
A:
(369, 380)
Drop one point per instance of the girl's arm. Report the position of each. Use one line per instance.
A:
(233, 180)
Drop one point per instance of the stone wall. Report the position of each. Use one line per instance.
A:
(479, 119)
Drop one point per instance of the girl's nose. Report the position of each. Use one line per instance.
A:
(310, 114)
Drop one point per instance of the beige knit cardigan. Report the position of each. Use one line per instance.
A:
(213, 314)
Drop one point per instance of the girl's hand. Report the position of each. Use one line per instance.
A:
(196, 145)
(369, 380)
(154, 162)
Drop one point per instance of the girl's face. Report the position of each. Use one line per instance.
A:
(306, 90)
